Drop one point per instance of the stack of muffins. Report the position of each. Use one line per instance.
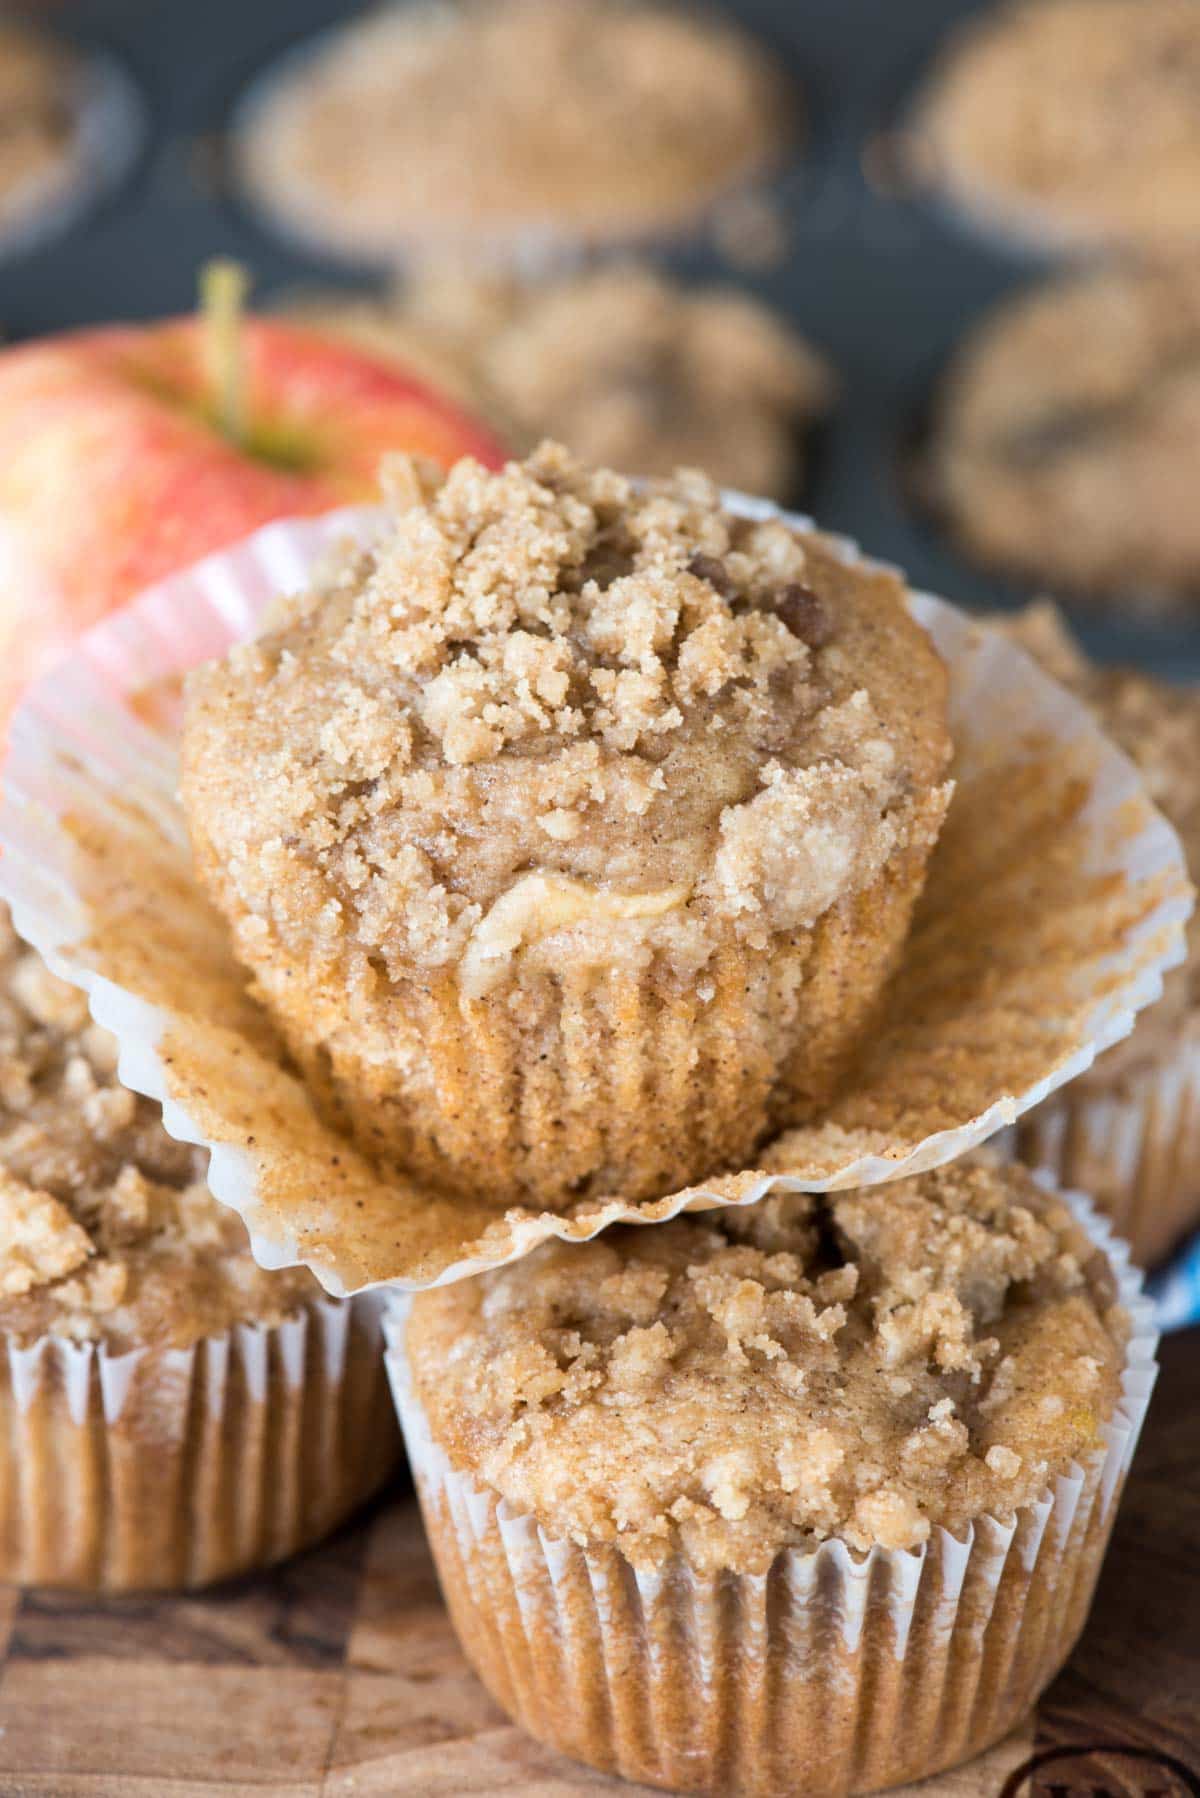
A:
(569, 834)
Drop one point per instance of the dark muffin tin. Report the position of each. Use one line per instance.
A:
(884, 281)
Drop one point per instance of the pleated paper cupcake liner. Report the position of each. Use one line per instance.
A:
(828, 1674)
(552, 1075)
(1133, 1144)
(173, 1468)
(1055, 899)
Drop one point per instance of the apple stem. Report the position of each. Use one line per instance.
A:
(223, 288)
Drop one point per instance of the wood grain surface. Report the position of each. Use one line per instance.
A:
(338, 1675)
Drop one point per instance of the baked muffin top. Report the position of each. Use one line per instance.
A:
(1072, 116)
(1068, 428)
(108, 1233)
(598, 119)
(627, 367)
(867, 1365)
(551, 702)
(38, 79)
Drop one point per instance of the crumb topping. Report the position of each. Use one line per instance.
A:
(107, 1230)
(595, 117)
(867, 1365)
(548, 672)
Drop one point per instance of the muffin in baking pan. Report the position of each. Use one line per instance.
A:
(1069, 122)
(626, 366)
(1066, 437)
(599, 122)
(70, 125)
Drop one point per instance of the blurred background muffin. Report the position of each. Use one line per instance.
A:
(70, 125)
(1070, 120)
(513, 126)
(625, 365)
(1065, 446)
(170, 1413)
(38, 101)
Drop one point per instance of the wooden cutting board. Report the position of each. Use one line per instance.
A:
(338, 1675)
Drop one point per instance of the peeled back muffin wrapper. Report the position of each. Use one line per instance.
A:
(829, 1673)
(1134, 1143)
(1055, 900)
(174, 1467)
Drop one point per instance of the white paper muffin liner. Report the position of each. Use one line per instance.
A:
(828, 1674)
(109, 131)
(1055, 900)
(172, 1468)
(1133, 1143)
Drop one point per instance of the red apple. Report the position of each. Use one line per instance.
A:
(115, 472)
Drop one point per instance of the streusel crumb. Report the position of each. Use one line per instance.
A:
(107, 1230)
(868, 1365)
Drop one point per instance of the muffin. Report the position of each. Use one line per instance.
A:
(571, 832)
(39, 101)
(598, 121)
(171, 1413)
(627, 367)
(1066, 444)
(809, 1496)
(1070, 120)
(1128, 1131)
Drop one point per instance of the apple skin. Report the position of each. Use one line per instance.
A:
(112, 476)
